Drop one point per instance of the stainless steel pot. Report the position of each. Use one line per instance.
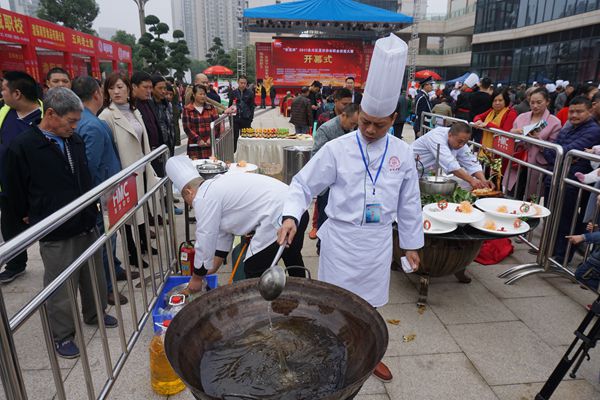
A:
(223, 313)
(294, 158)
(437, 185)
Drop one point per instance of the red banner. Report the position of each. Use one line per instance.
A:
(11, 58)
(118, 202)
(13, 27)
(105, 50)
(263, 60)
(123, 53)
(504, 144)
(49, 61)
(298, 62)
(81, 43)
(48, 35)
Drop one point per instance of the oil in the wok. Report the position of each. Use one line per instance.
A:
(298, 359)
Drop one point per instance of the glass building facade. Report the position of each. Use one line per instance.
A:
(572, 54)
(498, 15)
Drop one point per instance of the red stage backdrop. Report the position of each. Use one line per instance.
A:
(298, 62)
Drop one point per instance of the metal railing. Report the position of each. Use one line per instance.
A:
(160, 269)
(533, 174)
(445, 51)
(583, 210)
(222, 138)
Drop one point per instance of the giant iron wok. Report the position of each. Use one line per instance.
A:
(227, 311)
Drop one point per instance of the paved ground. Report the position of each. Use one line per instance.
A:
(480, 341)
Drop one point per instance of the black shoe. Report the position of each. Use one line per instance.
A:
(122, 275)
(110, 299)
(145, 250)
(134, 263)
(8, 276)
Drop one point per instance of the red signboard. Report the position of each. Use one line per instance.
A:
(49, 61)
(504, 144)
(48, 35)
(105, 50)
(263, 60)
(81, 43)
(123, 53)
(117, 203)
(298, 62)
(11, 58)
(13, 27)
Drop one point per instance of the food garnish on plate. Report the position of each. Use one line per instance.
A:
(490, 225)
(465, 207)
(242, 164)
(427, 224)
(502, 209)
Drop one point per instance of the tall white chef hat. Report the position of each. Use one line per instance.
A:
(472, 80)
(565, 84)
(559, 83)
(550, 87)
(181, 171)
(386, 73)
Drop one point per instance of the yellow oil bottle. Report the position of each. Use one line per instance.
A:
(164, 380)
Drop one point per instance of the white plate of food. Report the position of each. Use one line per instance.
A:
(432, 226)
(242, 166)
(506, 208)
(461, 214)
(501, 226)
(540, 211)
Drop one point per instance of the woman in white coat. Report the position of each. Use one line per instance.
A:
(131, 142)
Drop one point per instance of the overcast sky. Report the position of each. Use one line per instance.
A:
(122, 14)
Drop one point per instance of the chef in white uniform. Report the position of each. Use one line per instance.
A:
(234, 205)
(455, 155)
(372, 183)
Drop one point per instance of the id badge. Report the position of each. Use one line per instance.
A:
(373, 213)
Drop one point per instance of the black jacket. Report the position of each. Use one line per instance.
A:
(301, 113)
(41, 182)
(480, 102)
(244, 102)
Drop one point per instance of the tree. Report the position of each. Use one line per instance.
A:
(216, 54)
(141, 14)
(197, 66)
(129, 40)
(153, 49)
(75, 14)
(177, 57)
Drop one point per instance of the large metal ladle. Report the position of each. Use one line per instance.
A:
(272, 281)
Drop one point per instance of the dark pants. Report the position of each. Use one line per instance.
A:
(272, 102)
(259, 262)
(566, 218)
(263, 102)
(12, 226)
(398, 130)
(131, 243)
(239, 124)
(588, 272)
(159, 167)
(322, 201)
(117, 262)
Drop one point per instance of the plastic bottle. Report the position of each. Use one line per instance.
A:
(162, 377)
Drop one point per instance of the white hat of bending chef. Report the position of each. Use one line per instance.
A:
(550, 87)
(559, 83)
(472, 80)
(385, 77)
(181, 171)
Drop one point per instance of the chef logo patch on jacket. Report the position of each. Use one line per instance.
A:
(394, 164)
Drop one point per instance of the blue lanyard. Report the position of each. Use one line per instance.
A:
(362, 153)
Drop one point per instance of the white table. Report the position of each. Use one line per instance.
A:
(267, 153)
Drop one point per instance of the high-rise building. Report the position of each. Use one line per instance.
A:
(203, 20)
(106, 32)
(445, 33)
(184, 13)
(537, 40)
(27, 7)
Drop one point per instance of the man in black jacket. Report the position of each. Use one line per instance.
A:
(243, 98)
(422, 103)
(49, 170)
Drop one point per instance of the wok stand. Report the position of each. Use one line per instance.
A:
(448, 253)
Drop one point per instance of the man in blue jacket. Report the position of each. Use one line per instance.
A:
(102, 162)
(582, 132)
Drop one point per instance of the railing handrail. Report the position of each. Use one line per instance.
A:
(34, 233)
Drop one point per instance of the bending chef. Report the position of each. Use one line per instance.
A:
(234, 204)
(455, 156)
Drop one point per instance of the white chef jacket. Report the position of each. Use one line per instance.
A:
(450, 159)
(236, 204)
(356, 255)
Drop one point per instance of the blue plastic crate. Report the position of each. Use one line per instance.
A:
(172, 282)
